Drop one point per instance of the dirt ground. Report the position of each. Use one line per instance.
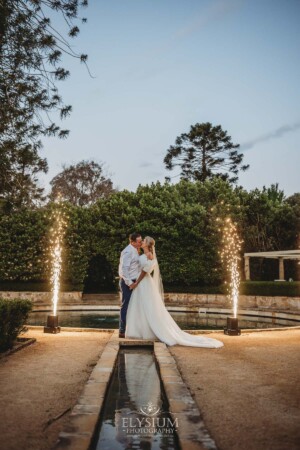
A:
(42, 381)
(249, 390)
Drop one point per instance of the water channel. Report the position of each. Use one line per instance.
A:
(135, 413)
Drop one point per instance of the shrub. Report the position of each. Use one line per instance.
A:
(37, 286)
(261, 288)
(271, 288)
(13, 315)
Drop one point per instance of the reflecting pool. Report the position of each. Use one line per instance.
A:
(135, 413)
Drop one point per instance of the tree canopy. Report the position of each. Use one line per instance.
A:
(205, 152)
(30, 53)
(182, 217)
(81, 184)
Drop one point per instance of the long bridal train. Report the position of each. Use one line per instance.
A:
(148, 318)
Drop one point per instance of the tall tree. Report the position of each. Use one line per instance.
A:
(81, 184)
(205, 152)
(274, 193)
(30, 53)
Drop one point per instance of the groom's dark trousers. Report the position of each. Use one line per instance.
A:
(126, 294)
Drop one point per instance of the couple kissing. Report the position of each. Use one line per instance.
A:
(143, 314)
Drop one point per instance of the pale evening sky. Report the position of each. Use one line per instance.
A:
(163, 65)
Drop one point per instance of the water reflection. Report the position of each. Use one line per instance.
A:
(135, 412)
(186, 321)
(81, 319)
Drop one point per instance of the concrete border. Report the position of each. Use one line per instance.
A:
(85, 415)
(21, 343)
(89, 330)
(192, 433)
(218, 331)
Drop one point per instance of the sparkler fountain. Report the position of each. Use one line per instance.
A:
(230, 256)
(57, 234)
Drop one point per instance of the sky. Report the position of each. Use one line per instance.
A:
(160, 66)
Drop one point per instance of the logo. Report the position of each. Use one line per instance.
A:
(149, 419)
(149, 409)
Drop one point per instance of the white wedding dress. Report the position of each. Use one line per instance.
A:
(148, 318)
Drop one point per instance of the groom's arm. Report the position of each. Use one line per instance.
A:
(126, 262)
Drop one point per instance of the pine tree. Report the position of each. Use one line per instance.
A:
(205, 152)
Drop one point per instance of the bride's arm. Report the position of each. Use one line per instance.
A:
(142, 275)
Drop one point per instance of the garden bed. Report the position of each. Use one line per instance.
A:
(19, 343)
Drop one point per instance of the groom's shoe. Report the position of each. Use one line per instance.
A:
(121, 335)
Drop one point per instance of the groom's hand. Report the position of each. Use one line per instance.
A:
(133, 285)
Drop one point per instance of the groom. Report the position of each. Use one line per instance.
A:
(129, 270)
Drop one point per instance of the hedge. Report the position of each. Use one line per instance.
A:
(256, 288)
(182, 218)
(37, 286)
(13, 316)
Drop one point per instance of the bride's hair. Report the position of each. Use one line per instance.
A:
(150, 243)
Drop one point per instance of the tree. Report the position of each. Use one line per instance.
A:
(184, 218)
(294, 202)
(30, 53)
(274, 193)
(205, 152)
(18, 182)
(81, 184)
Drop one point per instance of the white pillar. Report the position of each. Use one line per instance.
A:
(281, 268)
(247, 267)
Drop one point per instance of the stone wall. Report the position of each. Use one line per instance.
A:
(44, 298)
(171, 299)
(245, 301)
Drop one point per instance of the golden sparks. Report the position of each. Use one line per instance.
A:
(57, 233)
(230, 256)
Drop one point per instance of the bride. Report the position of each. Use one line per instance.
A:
(147, 316)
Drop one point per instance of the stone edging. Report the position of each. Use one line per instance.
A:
(25, 342)
(84, 418)
(191, 432)
(42, 300)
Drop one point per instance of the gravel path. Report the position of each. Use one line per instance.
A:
(249, 390)
(42, 381)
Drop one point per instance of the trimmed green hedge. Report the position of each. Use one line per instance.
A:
(263, 288)
(13, 316)
(185, 219)
(37, 286)
(271, 288)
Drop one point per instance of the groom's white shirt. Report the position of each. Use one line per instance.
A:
(129, 267)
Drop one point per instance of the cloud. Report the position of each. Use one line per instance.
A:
(212, 13)
(146, 164)
(276, 134)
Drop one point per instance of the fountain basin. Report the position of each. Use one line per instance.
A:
(188, 318)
